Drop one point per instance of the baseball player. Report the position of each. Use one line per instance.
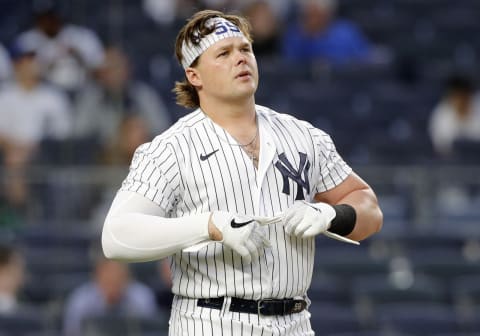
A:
(235, 194)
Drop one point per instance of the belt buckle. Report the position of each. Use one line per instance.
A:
(259, 305)
(298, 306)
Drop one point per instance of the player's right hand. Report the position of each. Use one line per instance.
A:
(240, 233)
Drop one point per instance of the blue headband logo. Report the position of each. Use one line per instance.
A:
(224, 27)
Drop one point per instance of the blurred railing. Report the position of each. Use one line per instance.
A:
(427, 253)
(416, 196)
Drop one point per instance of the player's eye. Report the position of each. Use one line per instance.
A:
(223, 53)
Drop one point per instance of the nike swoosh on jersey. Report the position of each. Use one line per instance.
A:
(204, 157)
(237, 225)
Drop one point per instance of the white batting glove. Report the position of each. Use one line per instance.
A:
(240, 233)
(307, 220)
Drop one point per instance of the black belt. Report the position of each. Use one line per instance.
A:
(266, 307)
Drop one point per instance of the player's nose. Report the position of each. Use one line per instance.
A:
(240, 58)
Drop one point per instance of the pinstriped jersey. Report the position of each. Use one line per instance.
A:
(196, 167)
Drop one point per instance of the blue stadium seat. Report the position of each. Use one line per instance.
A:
(111, 325)
(460, 225)
(380, 289)
(473, 325)
(467, 289)
(347, 260)
(23, 323)
(416, 319)
(326, 288)
(443, 265)
(458, 334)
(368, 333)
(394, 206)
(431, 245)
(466, 151)
(50, 288)
(466, 295)
(57, 260)
(330, 318)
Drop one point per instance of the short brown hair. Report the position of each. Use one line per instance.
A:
(186, 93)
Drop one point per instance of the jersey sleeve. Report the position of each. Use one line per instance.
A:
(154, 174)
(331, 168)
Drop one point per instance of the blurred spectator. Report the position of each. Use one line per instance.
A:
(5, 66)
(456, 117)
(281, 8)
(162, 12)
(218, 4)
(319, 35)
(12, 274)
(133, 131)
(112, 291)
(265, 28)
(103, 104)
(163, 287)
(67, 52)
(30, 112)
(166, 13)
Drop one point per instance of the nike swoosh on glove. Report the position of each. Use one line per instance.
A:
(240, 233)
(305, 220)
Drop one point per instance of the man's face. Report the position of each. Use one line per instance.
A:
(461, 100)
(27, 66)
(115, 71)
(112, 278)
(227, 70)
(316, 16)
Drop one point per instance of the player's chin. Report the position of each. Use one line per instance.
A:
(243, 95)
(247, 89)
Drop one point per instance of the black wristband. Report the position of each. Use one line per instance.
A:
(344, 221)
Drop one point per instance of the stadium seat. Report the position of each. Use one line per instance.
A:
(396, 287)
(417, 319)
(328, 288)
(369, 333)
(330, 318)
(444, 266)
(418, 245)
(347, 260)
(466, 151)
(371, 293)
(48, 288)
(466, 295)
(468, 287)
(23, 323)
(57, 260)
(458, 334)
(395, 207)
(110, 325)
(473, 324)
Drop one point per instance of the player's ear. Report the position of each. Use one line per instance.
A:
(193, 77)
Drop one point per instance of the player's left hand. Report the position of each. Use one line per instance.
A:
(305, 220)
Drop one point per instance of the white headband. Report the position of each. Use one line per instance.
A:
(223, 29)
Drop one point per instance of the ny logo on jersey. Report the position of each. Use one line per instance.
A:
(288, 171)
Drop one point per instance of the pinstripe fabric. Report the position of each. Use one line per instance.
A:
(169, 172)
(187, 319)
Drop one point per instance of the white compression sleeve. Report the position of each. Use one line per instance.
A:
(136, 230)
